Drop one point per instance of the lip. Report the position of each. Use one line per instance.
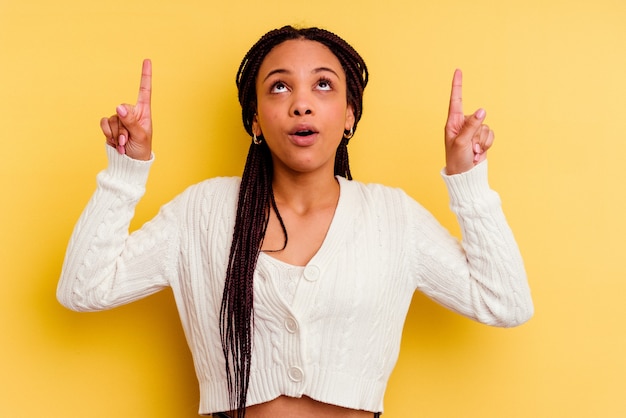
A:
(303, 135)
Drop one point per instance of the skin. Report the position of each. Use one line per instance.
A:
(301, 86)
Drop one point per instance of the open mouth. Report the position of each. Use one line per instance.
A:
(304, 133)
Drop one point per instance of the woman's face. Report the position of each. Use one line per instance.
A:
(302, 109)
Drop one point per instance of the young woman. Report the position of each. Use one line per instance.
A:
(293, 282)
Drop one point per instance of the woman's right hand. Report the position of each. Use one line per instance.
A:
(130, 129)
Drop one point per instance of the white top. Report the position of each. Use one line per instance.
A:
(329, 330)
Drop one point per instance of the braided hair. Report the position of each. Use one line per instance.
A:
(256, 199)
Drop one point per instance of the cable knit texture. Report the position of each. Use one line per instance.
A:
(329, 330)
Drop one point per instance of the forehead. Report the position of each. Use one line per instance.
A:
(297, 55)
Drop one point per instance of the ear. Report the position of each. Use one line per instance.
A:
(256, 127)
(349, 118)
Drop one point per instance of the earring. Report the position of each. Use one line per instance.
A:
(256, 140)
(349, 134)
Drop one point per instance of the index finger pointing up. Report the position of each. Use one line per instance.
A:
(145, 86)
(456, 96)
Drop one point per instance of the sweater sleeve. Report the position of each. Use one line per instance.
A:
(483, 276)
(104, 266)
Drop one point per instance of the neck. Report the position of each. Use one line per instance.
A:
(303, 193)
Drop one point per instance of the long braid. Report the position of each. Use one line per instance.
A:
(342, 164)
(253, 198)
(256, 200)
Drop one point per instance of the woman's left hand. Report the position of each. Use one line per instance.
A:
(467, 138)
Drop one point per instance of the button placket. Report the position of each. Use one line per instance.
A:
(291, 325)
(307, 288)
(312, 273)
(296, 374)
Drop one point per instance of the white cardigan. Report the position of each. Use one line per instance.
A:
(338, 339)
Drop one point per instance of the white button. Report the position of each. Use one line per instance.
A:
(295, 374)
(291, 325)
(312, 273)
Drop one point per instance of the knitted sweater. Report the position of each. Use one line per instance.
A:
(337, 339)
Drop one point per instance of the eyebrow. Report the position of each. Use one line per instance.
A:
(315, 71)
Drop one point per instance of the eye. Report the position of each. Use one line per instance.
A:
(324, 84)
(278, 87)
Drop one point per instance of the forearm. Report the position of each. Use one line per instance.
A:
(96, 272)
(482, 276)
(498, 283)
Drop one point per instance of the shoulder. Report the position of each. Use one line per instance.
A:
(209, 195)
(373, 192)
(216, 186)
(377, 202)
(390, 205)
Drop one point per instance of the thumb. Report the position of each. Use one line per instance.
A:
(472, 124)
(138, 142)
(131, 121)
(125, 113)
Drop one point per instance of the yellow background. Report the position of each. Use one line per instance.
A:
(551, 75)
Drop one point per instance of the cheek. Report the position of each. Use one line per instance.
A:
(265, 116)
(267, 120)
(340, 114)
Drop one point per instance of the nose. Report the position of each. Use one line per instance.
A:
(301, 104)
(303, 111)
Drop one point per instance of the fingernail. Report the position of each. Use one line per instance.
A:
(477, 148)
(122, 140)
(121, 111)
(480, 113)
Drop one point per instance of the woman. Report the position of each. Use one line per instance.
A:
(293, 282)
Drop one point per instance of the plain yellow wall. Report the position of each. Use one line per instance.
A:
(551, 75)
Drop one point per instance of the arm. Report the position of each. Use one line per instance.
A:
(104, 266)
(482, 277)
